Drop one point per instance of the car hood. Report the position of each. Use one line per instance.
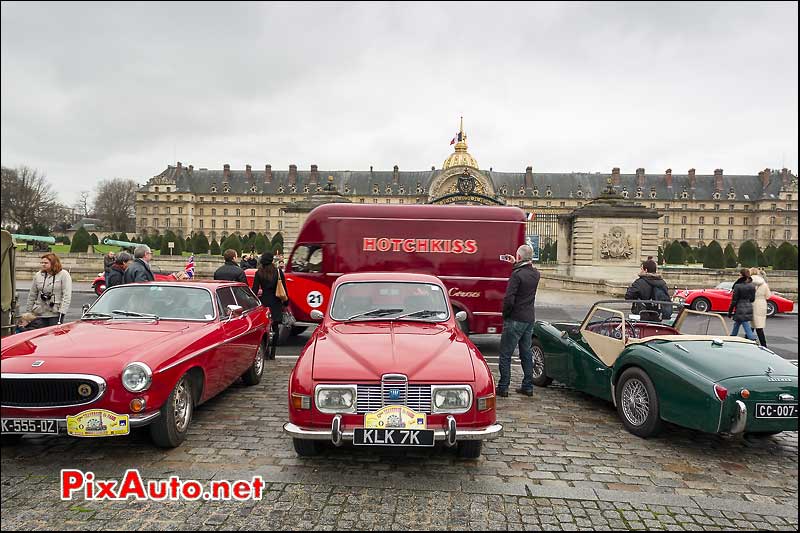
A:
(97, 339)
(731, 360)
(364, 351)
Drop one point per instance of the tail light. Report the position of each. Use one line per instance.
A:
(745, 393)
(721, 392)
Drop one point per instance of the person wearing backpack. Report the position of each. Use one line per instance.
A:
(649, 286)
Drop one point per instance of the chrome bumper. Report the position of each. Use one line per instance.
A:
(449, 435)
(739, 418)
(133, 421)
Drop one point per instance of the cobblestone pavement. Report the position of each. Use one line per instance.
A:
(564, 463)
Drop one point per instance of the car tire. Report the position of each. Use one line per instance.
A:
(470, 449)
(637, 403)
(540, 378)
(99, 288)
(170, 428)
(772, 309)
(305, 447)
(701, 304)
(256, 370)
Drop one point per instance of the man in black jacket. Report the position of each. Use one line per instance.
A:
(644, 287)
(518, 319)
(139, 269)
(230, 271)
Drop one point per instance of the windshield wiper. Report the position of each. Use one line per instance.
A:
(134, 314)
(96, 315)
(375, 312)
(421, 314)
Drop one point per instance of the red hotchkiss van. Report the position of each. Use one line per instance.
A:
(459, 244)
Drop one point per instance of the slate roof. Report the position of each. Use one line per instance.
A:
(561, 185)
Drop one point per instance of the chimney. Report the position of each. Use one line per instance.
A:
(268, 174)
(396, 175)
(191, 169)
(668, 177)
(640, 177)
(314, 175)
(226, 172)
(529, 177)
(615, 176)
(785, 176)
(718, 179)
(178, 169)
(292, 175)
(433, 167)
(248, 170)
(692, 179)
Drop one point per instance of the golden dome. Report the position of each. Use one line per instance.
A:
(460, 158)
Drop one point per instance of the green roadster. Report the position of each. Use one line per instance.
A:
(686, 370)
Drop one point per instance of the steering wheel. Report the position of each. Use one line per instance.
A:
(616, 332)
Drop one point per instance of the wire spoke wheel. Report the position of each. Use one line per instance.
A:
(635, 402)
(538, 361)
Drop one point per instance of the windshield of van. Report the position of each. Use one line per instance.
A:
(307, 258)
(384, 300)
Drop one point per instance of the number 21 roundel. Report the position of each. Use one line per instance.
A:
(314, 299)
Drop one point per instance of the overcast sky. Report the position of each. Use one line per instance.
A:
(101, 90)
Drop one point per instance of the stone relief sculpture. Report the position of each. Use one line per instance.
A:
(616, 245)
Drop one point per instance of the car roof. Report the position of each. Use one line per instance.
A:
(204, 284)
(389, 276)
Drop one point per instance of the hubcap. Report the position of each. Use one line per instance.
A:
(182, 406)
(538, 362)
(702, 306)
(635, 402)
(770, 309)
(259, 362)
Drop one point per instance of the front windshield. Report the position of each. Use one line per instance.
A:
(726, 285)
(385, 300)
(166, 302)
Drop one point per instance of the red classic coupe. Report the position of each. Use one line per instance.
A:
(718, 300)
(389, 366)
(142, 354)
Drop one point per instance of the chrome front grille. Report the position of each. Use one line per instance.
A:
(373, 397)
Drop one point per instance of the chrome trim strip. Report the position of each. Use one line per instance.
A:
(487, 313)
(740, 418)
(490, 432)
(100, 382)
(473, 277)
(134, 422)
(200, 352)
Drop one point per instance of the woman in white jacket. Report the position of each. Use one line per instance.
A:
(760, 305)
(51, 292)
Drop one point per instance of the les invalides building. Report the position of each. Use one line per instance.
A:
(696, 208)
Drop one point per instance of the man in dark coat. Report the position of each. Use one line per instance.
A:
(643, 288)
(116, 275)
(518, 319)
(230, 271)
(741, 309)
(139, 269)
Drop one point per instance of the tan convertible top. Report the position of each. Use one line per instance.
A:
(679, 338)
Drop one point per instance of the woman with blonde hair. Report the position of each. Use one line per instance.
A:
(760, 304)
(51, 292)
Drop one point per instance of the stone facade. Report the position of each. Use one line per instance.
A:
(693, 208)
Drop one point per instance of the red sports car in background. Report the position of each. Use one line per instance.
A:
(142, 354)
(389, 366)
(718, 299)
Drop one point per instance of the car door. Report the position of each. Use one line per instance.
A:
(248, 343)
(229, 357)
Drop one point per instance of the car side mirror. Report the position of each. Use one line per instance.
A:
(235, 311)
(316, 314)
(84, 308)
(461, 316)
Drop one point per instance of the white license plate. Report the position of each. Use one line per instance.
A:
(29, 426)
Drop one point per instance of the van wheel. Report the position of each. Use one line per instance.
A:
(305, 448)
(170, 428)
(470, 449)
(463, 325)
(540, 378)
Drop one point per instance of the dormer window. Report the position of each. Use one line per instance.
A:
(716, 195)
(684, 195)
(253, 188)
(731, 194)
(522, 191)
(625, 193)
(504, 190)
(375, 188)
(305, 189)
(579, 194)
(402, 190)
(638, 192)
(536, 192)
(346, 188)
(280, 189)
(548, 192)
(419, 188)
(293, 189)
(226, 189)
(388, 189)
(319, 188)
(652, 192)
(213, 188)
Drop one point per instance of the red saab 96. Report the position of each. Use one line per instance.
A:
(142, 354)
(389, 366)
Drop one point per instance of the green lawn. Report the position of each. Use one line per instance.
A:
(100, 249)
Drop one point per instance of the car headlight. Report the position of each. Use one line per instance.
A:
(451, 398)
(137, 377)
(336, 398)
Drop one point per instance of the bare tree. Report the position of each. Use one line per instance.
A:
(115, 204)
(27, 198)
(84, 205)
